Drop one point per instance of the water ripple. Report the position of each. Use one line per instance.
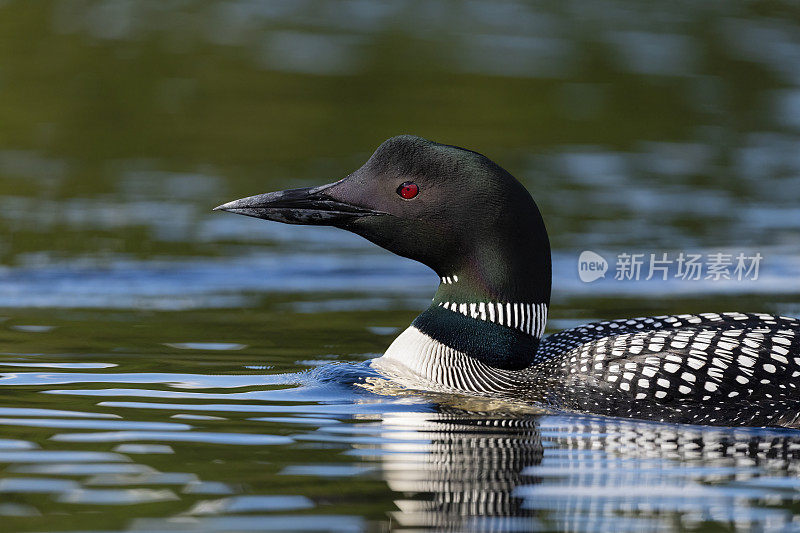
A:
(168, 436)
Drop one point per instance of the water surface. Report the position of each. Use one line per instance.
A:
(166, 368)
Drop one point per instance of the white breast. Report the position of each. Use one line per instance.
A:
(416, 360)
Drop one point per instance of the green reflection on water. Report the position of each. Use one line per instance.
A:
(135, 343)
(96, 96)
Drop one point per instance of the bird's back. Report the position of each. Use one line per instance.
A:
(731, 368)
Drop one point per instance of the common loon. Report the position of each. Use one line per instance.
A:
(479, 229)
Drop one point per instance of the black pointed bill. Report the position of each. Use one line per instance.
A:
(309, 205)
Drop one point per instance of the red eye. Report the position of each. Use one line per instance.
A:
(408, 190)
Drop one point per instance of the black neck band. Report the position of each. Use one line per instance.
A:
(492, 344)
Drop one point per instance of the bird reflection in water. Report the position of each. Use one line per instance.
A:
(457, 470)
(462, 470)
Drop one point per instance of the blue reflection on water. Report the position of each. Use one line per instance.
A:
(580, 469)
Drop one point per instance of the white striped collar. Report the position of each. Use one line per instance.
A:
(526, 317)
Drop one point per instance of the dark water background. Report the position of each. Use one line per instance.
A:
(167, 368)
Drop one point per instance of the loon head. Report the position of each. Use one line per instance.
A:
(455, 211)
(449, 208)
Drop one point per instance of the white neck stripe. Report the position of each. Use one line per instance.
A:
(528, 318)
